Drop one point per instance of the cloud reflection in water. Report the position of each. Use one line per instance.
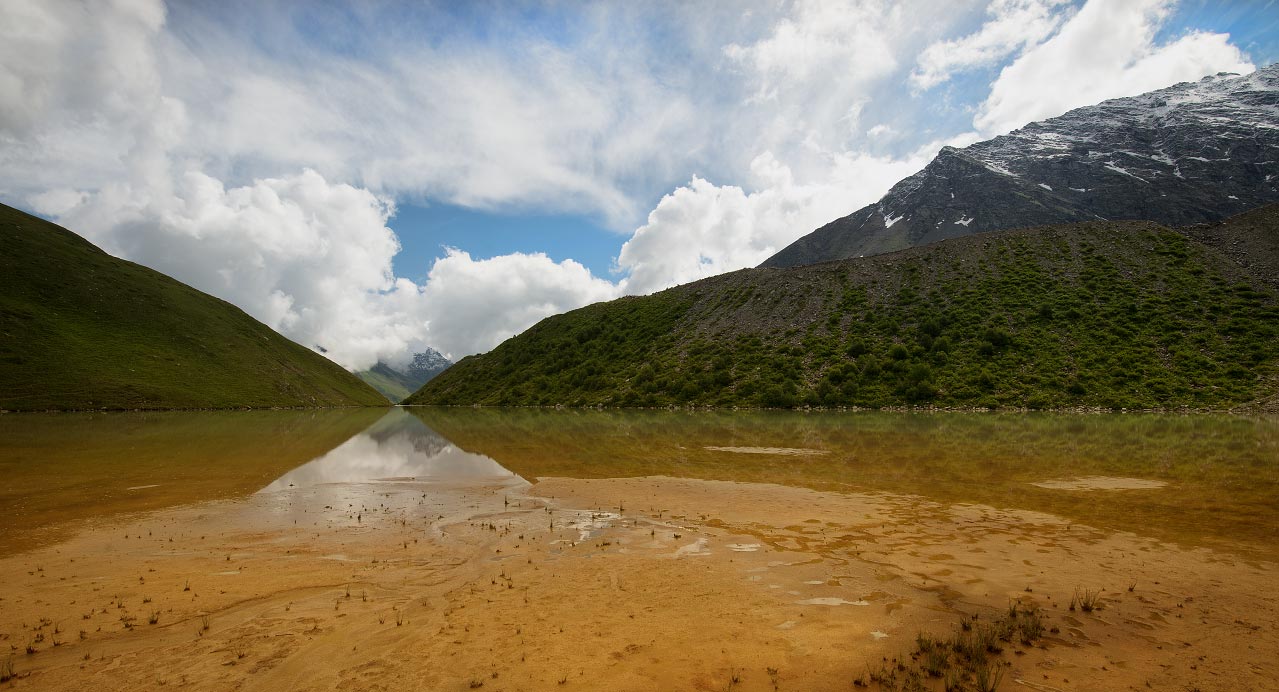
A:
(398, 446)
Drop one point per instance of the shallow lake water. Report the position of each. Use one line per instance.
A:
(1198, 480)
(428, 548)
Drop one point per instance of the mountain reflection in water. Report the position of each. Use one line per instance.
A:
(399, 446)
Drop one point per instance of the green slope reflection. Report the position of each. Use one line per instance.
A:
(1198, 480)
(62, 469)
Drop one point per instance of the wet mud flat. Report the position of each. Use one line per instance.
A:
(625, 584)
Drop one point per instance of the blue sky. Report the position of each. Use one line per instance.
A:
(381, 176)
(424, 232)
(1253, 25)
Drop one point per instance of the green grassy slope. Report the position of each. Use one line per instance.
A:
(390, 383)
(81, 329)
(1114, 315)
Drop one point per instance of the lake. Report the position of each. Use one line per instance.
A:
(818, 544)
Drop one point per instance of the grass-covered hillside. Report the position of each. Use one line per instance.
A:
(80, 329)
(1108, 314)
(382, 377)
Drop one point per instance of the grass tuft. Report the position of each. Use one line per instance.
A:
(988, 676)
(1087, 600)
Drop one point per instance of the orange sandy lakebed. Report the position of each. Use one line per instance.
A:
(453, 551)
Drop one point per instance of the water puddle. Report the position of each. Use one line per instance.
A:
(588, 524)
(779, 451)
(1101, 483)
(831, 602)
(698, 547)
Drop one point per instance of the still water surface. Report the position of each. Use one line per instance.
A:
(1209, 481)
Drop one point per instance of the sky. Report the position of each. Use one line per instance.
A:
(376, 177)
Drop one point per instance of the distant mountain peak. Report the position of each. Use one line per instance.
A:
(396, 383)
(427, 364)
(1190, 153)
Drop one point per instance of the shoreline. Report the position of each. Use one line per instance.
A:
(1244, 410)
(631, 583)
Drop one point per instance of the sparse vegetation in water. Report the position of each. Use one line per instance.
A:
(968, 659)
(935, 659)
(988, 675)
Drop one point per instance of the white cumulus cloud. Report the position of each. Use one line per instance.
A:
(702, 229)
(307, 257)
(1106, 50)
(473, 305)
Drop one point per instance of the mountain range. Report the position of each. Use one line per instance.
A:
(1001, 275)
(1192, 153)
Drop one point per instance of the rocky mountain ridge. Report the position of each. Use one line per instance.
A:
(426, 365)
(1192, 153)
